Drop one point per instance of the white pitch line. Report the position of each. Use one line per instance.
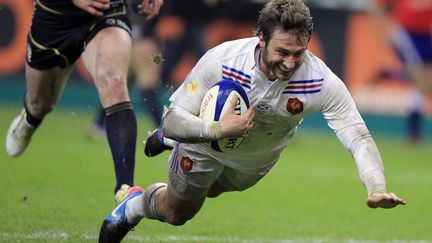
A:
(64, 236)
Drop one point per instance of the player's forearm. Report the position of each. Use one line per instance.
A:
(183, 126)
(359, 142)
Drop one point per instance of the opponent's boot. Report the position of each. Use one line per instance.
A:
(19, 135)
(122, 193)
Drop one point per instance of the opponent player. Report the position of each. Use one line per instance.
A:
(285, 82)
(99, 32)
(411, 37)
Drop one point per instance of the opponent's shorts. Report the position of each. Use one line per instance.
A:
(191, 175)
(413, 48)
(59, 40)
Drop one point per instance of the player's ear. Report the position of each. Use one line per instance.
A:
(261, 39)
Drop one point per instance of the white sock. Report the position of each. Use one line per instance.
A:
(135, 209)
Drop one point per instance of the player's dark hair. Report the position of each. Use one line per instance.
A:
(291, 16)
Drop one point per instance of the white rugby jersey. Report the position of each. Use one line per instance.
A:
(280, 105)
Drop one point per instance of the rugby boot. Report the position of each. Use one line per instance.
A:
(115, 226)
(156, 143)
(19, 135)
(121, 193)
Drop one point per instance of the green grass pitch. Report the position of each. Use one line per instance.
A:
(60, 190)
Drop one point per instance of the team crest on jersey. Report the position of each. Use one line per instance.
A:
(186, 164)
(294, 106)
(262, 108)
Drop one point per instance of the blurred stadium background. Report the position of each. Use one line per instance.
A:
(344, 37)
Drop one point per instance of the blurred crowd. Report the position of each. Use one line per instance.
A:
(406, 27)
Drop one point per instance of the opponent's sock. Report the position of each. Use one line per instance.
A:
(151, 99)
(31, 119)
(121, 129)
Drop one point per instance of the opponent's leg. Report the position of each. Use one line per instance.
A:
(97, 131)
(44, 88)
(421, 75)
(145, 64)
(415, 117)
(151, 99)
(107, 58)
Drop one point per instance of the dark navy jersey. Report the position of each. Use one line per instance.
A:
(66, 7)
(60, 31)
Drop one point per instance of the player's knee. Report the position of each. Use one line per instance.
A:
(112, 87)
(110, 76)
(111, 79)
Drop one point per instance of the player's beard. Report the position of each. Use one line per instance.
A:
(277, 70)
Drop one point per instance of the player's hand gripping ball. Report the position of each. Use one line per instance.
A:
(216, 102)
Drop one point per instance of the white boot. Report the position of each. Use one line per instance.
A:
(19, 135)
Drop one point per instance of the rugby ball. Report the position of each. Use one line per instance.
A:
(216, 102)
